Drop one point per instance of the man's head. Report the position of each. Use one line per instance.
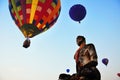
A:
(80, 40)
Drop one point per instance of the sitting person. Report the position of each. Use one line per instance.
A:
(86, 60)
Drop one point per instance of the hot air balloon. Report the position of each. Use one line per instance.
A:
(77, 12)
(67, 70)
(118, 74)
(105, 61)
(34, 16)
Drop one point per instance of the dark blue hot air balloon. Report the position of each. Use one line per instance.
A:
(105, 61)
(77, 12)
(67, 70)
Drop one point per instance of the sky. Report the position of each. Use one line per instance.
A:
(51, 52)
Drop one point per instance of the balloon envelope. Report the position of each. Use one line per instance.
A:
(105, 61)
(77, 12)
(34, 16)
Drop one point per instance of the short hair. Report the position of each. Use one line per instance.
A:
(81, 37)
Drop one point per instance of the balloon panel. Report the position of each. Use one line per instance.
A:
(34, 16)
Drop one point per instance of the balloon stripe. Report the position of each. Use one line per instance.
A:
(11, 12)
(51, 15)
(23, 6)
(33, 9)
(16, 12)
(28, 10)
(19, 9)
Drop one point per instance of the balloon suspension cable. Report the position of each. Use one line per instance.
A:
(27, 38)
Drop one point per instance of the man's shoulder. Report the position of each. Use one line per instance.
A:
(90, 44)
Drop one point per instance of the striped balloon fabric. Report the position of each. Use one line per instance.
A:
(34, 16)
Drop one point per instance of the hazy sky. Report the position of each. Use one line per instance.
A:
(51, 52)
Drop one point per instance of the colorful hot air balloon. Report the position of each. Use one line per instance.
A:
(34, 16)
(105, 61)
(77, 12)
(118, 74)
